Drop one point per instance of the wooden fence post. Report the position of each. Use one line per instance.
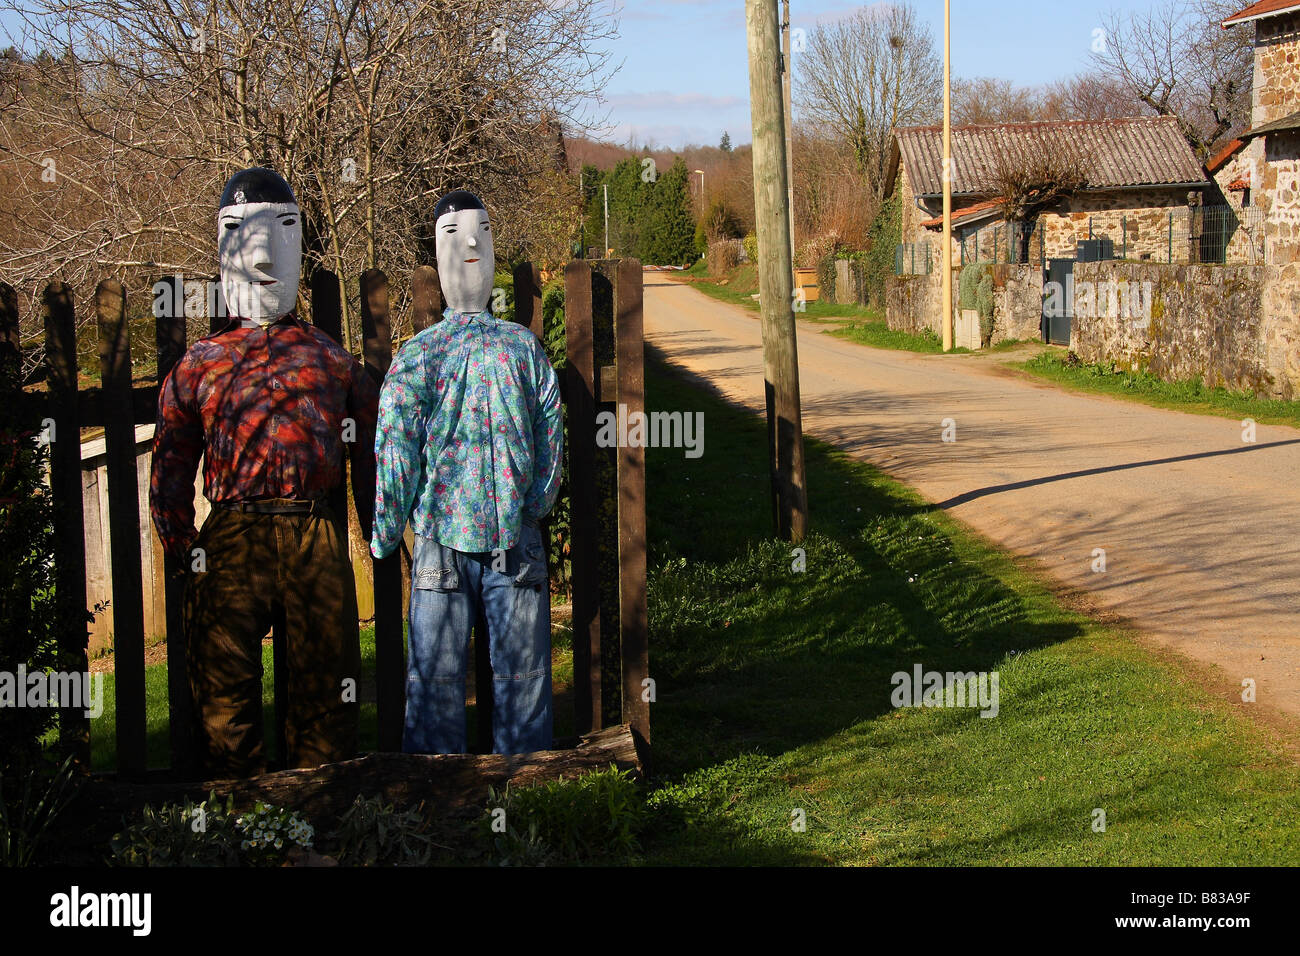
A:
(633, 621)
(124, 526)
(169, 333)
(581, 396)
(426, 298)
(390, 682)
(69, 519)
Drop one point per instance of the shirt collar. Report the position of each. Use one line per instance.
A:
(461, 318)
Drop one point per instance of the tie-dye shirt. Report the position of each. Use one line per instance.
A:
(470, 436)
(271, 410)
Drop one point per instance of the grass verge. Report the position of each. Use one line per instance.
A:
(774, 691)
(1185, 396)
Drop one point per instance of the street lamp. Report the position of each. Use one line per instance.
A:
(701, 175)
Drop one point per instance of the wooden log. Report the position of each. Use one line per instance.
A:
(528, 298)
(217, 317)
(581, 398)
(69, 516)
(633, 621)
(390, 683)
(124, 527)
(426, 298)
(454, 784)
(327, 315)
(170, 339)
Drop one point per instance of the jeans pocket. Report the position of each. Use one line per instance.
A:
(434, 567)
(530, 558)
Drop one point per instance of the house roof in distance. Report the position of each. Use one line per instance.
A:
(989, 209)
(1260, 10)
(1220, 159)
(1142, 151)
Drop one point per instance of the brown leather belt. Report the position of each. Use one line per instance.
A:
(274, 506)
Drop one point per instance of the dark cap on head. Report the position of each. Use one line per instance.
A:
(258, 184)
(455, 201)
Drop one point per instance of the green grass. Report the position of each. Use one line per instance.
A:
(103, 729)
(774, 687)
(1186, 396)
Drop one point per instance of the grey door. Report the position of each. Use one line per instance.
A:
(1058, 309)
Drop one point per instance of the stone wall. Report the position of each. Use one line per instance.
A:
(914, 303)
(1017, 302)
(1202, 322)
(1276, 91)
(1280, 310)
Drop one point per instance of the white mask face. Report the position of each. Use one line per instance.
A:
(466, 261)
(259, 245)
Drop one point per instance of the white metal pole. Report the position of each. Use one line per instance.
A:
(947, 178)
(606, 255)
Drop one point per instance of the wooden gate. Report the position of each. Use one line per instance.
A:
(603, 331)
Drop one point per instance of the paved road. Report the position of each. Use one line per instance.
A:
(1201, 530)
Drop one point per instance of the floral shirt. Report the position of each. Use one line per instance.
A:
(271, 410)
(470, 436)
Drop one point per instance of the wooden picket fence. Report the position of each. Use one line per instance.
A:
(603, 329)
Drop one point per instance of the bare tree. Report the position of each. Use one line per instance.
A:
(119, 142)
(1176, 60)
(865, 75)
(985, 99)
(1089, 96)
(1030, 173)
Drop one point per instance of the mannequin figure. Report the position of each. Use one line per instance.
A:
(468, 448)
(271, 404)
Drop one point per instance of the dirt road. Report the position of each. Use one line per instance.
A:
(1201, 531)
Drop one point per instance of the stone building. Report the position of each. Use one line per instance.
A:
(1267, 156)
(1143, 187)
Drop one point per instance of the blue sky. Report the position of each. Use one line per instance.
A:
(684, 77)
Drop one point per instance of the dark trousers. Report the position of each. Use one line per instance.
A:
(257, 566)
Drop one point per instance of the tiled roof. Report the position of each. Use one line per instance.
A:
(1265, 8)
(976, 211)
(1144, 151)
(1239, 183)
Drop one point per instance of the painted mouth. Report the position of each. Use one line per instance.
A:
(266, 282)
(471, 260)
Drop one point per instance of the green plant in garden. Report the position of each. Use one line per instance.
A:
(750, 245)
(984, 305)
(27, 818)
(599, 815)
(181, 834)
(883, 237)
(373, 833)
(269, 832)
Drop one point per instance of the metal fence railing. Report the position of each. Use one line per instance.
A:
(912, 259)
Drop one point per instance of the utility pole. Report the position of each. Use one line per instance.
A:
(787, 78)
(775, 276)
(946, 255)
(605, 253)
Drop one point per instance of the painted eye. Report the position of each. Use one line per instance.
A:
(232, 225)
(288, 222)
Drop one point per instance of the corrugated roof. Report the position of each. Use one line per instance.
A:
(1144, 151)
(1265, 8)
(1283, 125)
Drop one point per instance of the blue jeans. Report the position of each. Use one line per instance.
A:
(448, 588)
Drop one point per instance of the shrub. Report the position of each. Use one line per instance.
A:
(882, 240)
(180, 834)
(812, 252)
(28, 818)
(750, 245)
(596, 816)
(723, 256)
(968, 284)
(984, 304)
(372, 833)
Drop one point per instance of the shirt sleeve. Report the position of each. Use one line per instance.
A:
(363, 409)
(548, 440)
(177, 448)
(399, 444)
